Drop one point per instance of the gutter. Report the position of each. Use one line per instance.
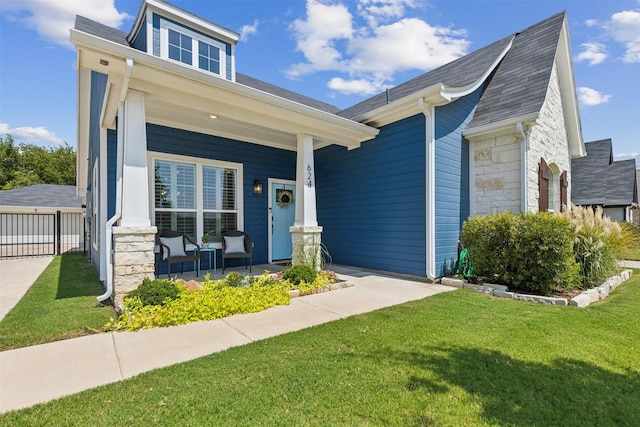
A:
(430, 196)
(119, 166)
(524, 157)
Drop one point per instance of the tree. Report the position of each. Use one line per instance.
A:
(29, 164)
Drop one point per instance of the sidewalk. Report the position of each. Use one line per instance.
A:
(16, 277)
(40, 373)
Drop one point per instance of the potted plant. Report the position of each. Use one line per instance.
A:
(205, 240)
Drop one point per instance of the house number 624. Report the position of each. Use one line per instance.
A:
(309, 176)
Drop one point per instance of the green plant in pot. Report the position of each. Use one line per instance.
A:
(205, 240)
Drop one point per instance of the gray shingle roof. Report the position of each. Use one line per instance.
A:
(461, 72)
(519, 85)
(42, 195)
(88, 26)
(597, 180)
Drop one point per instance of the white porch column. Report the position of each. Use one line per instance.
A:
(305, 232)
(135, 179)
(134, 237)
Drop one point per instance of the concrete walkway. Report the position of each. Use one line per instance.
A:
(16, 277)
(40, 373)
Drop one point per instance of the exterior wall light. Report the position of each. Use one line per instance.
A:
(257, 187)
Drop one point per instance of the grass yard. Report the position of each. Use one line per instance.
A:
(458, 358)
(61, 304)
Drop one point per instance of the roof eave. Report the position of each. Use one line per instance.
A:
(336, 129)
(501, 128)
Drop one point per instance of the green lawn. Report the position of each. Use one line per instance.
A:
(61, 304)
(458, 358)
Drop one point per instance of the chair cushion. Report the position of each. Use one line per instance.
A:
(175, 245)
(234, 245)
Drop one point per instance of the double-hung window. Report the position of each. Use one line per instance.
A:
(196, 196)
(191, 48)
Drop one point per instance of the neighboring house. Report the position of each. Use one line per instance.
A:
(29, 218)
(176, 138)
(636, 212)
(600, 181)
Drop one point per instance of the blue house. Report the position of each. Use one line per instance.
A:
(171, 136)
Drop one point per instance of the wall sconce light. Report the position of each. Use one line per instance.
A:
(257, 187)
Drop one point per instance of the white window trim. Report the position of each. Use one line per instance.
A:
(199, 163)
(95, 226)
(195, 38)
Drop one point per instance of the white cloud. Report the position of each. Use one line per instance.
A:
(594, 53)
(591, 22)
(248, 30)
(31, 135)
(591, 97)
(53, 19)
(355, 86)
(627, 156)
(624, 27)
(371, 49)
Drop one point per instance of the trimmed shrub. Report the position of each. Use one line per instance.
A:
(299, 273)
(527, 252)
(155, 292)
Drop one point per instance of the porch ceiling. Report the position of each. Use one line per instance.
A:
(185, 98)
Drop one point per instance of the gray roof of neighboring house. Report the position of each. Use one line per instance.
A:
(597, 180)
(42, 196)
(517, 87)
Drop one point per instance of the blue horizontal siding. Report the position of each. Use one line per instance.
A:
(371, 200)
(140, 42)
(452, 178)
(259, 163)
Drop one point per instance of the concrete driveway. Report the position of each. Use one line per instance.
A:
(16, 277)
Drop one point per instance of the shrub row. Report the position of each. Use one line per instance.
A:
(527, 252)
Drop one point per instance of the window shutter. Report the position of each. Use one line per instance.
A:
(543, 186)
(563, 191)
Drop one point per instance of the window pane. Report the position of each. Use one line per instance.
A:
(217, 223)
(175, 185)
(180, 47)
(219, 188)
(209, 57)
(183, 222)
(174, 53)
(174, 38)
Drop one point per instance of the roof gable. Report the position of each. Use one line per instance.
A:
(598, 180)
(519, 85)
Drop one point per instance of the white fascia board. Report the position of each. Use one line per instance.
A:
(501, 128)
(403, 107)
(569, 94)
(195, 81)
(452, 93)
(169, 11)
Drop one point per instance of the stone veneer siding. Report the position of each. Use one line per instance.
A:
(549, 141)
(133, 259)
(496, 172)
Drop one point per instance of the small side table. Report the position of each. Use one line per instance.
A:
(212, 252)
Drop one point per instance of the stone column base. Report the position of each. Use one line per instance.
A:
(133, 259)
(307, 245)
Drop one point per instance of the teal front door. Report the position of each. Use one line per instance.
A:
(283, 213)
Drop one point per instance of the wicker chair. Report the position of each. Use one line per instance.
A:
(176, 242)
(237, 244)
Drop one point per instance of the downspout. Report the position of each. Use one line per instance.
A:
(430, 177)
(119, 166)
(524, 156)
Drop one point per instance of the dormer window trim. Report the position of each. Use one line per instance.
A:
(168, 28)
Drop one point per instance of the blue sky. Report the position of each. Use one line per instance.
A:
(337, 51)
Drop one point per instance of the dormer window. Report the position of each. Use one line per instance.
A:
(188, 47)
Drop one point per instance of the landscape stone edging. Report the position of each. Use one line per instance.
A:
(582, 300)
(294, 293)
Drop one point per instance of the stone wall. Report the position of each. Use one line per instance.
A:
(548, 140)
(496, 161)
(133, 259)
(496, 172)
